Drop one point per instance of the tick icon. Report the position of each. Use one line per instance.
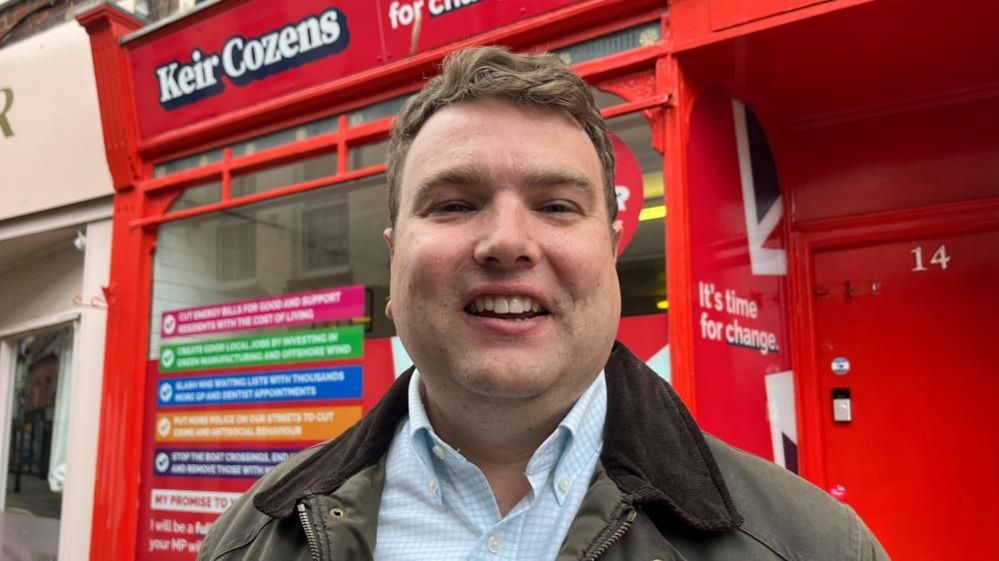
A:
(167, 358)
(166, 392)
(169, 324)
(164, 427)
(162, 462)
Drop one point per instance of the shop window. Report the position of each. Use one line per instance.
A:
(198, 196)
(380, 110)
(325, 246)
(36, 443)
(286, 136)
(368, 155)
(642, 265)
(251, 146)
(284, 175)
(237, 253)
(188, 162)
(308, 241)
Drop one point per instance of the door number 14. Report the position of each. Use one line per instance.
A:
(940, 258)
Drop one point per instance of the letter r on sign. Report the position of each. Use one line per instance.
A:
(8, 100)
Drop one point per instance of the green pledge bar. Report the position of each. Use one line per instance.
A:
(284, 348)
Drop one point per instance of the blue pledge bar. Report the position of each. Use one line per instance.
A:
(340, 382)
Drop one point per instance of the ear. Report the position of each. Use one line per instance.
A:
(387, 235)
(617, 228)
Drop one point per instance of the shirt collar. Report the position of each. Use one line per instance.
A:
(561, 459)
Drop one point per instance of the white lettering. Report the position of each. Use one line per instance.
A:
(185, 79)
(441, 7)
(270, 42)
(253, 55)
(330, 27)
(228, 63)
(308, 35)
(288, 42)
(168, 82)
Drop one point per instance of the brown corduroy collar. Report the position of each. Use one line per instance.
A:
(653, 450)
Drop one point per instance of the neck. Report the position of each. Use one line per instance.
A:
(498, 436)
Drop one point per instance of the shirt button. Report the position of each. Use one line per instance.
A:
(564, 484)
(433, 486)
(494, 544)
(439, 451)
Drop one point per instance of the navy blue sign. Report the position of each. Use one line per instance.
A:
(249, 464)
(245, 59)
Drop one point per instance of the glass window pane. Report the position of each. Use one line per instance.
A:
(368, 155)
(642, 265)
(318, 239)
(377, 111)
(286, 136)
(39, 424)
(199, 195)
(282, 176)
(188, 162)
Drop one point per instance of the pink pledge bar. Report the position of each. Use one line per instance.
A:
(316, 306)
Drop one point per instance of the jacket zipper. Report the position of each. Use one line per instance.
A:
(310, 532)
(623, 525)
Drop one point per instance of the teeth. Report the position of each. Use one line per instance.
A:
(506, 304)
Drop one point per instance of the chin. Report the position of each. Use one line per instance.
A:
(507, 382)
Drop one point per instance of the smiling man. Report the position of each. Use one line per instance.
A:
(524, 431)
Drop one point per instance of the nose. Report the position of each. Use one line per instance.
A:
(507, 239)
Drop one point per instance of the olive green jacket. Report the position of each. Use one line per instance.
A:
(662, 491)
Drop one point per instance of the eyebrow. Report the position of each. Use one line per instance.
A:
(467, 176)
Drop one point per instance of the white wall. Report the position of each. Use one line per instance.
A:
(41, 287)
(56, 154)
(85, 403)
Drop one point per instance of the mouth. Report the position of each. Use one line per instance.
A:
(506, 307)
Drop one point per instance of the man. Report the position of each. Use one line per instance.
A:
(524, 431)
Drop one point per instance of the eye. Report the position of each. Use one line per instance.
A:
(452, 207)
(557, 207)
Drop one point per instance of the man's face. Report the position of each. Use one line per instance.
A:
(503, 278)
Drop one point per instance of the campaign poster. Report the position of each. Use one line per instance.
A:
(223, 408)
(742, 363)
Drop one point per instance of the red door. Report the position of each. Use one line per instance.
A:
(912, 327)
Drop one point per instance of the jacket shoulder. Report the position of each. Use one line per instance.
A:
(242, 522)
(789, 515)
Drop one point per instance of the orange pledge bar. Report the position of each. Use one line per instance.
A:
(305, 424)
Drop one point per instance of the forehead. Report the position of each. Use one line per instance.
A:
(502, 139)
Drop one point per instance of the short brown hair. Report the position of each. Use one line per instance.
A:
(542, 81)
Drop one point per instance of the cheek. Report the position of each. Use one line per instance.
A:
(585, 270)
(424, 264)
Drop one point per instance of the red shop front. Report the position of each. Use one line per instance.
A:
(811, 206)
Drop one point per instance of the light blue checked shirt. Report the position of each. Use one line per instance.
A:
(438, 506)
